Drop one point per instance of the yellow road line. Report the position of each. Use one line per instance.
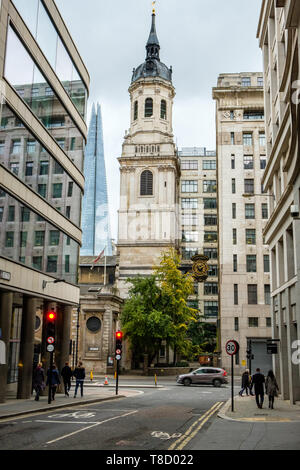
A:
(187, 433)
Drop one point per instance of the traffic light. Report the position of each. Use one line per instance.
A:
(119, 336)
(249, 354)
(50, 326)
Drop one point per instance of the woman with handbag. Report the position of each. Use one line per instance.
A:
(55, 381)
(271, 388)
(38, 381)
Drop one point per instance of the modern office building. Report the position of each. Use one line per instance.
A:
(278, 33)
(244, 273)
(96, 235)
(198, 223)
(43, 86)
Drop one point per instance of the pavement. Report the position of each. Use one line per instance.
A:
(246, 410)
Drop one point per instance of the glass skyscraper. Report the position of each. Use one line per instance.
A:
(95, 214)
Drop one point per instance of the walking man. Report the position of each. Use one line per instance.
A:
(258, 381)
(245, 383)
(66, 374)
(79, 374)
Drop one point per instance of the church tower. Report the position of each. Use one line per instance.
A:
(149, 170)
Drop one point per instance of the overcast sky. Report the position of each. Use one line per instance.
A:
(199, 38)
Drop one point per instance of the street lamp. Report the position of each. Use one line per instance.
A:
(49, 282)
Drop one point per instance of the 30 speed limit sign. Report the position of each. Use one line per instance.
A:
(232, 347)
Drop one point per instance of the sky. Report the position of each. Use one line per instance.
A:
(199, 38)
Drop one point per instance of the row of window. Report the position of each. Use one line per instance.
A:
(193, 165)
(192, 203)
(211, 253)
(191, 186)
(147, 148)
(51, 263)
(148, 109)
(252, 294)
(251, 263)
(39, 238)
(32, 145)
(250, 236)
(248, 139)
(253, 322)
(192, 219)
(193, 236)
(43, 169)
(249, 162)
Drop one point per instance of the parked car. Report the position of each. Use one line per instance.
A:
(204, 375)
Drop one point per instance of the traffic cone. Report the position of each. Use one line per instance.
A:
(106, 381)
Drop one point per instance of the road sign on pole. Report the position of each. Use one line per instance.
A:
(232, 348)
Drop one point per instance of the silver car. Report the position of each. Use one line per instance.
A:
(204, 375)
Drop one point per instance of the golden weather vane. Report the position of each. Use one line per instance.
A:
(153, 7)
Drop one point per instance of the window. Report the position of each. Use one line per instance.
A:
(42, 189)
(250, 236)
(70, 188)
(37, 262)
(29, 169)
(251, 263)
(190, 236)
(232, 138)
(68, 212)
(58, 169)
(213, 270)
(246, 81)
(44, 168)
(234, 258)
(148, 107)
(210, 203)
(250, 211)
(264, 211)
(210, 237)
(232, 162)
(51, 264)
(72, 144)
(252, 294)
(56, 190)
(249, 186)
(209, 164)
(1, 213)
(189, 186)
(23, 239)
(211, 253)
(11, 214)
(189, 165)
(189, 219)
(234, 236)
(210, 308)
(39, 238)
(67, 263)
(9, 239)
(189, 203)
(233, 187)
(31, 146)
(248, 162)
(135, 110)
(247, 139)
(262, 139)
(233, 210)
(54, 237)
(146, 183)
(163, 109)
(2, 145)
(16, 147)
(187, 253)
(231, 115)
(267, 293)
(254, 115)
(235, 294)
(266, 263)
(263, 162)
(25, 214)
(268, 322)
(210, 220)
(14, 167)
(236, 323)
(210, 288)
(209, 186)
(260, 81)
(253, 322)
(61, 142)
(48, 91)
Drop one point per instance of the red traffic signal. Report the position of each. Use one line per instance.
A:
(51, 316)
(119, 334)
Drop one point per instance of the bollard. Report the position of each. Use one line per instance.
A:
(155, 380)
(91, 375)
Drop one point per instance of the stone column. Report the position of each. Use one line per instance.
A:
(6, 304)
(26, 348)
(283, 355)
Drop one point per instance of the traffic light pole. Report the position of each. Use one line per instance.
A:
(117, 378)
(50, 377)
(250, 347)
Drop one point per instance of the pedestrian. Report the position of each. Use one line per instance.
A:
(245, 382)
(55, 381)
(79, 374)
(258, 381)
(66, 374)
(38, 380)
(271, 388)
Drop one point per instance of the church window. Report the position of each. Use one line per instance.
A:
(163, 109)
(135, 113)
(146, 183)
(148, 107)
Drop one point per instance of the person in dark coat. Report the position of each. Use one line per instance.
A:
(38, 380)
(258, 381)
(271, 388)
(79, 374)
(55, 381)
(66, 374)
(245, 382)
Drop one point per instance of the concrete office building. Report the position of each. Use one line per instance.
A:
(278, 33)
(43, 86)
(244, 279)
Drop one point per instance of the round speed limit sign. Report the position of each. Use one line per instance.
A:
(232, 347)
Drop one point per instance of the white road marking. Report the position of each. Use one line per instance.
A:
(164, 435)
(89, 427)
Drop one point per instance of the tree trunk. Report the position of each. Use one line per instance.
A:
(146, 364)
(175, 354)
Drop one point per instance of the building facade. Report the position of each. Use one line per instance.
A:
(244, 277)
(43, 86)
(95, 225)
(278, 33)
(149, 167)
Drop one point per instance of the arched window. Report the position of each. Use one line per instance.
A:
(148, 107)
(135, 111)
(163, 109)
(146, 183)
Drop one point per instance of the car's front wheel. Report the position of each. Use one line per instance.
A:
(186, 382)
(217, 383)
